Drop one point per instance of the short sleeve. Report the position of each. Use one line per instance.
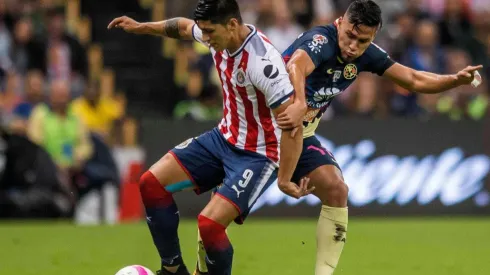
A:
(197, 35)
(379, 60)
(269, 75)
(318, 47)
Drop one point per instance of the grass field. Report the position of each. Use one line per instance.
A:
(374, 247)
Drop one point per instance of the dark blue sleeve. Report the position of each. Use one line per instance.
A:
(318, 45)
(379, 60)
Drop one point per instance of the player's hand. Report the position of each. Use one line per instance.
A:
(296, 191)
(466, 76)
(292, 117)
(127, 24)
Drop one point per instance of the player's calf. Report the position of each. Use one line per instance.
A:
(162, 212)
(332, 223)
(212, 223)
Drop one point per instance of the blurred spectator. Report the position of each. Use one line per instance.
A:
(283, 33)
(98, 112)
(5, 40)
(203, 100)
(454, 26)
(27, 53)
(34, 94)
(59, 131)
(426, 55)
(11, 95)
(416, 9)
(313, 12)
(400, 35)
(65, 54)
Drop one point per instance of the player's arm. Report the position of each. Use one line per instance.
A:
(290, 151)
(299, 67)
(314, 49)
(178, 28)
(278, 93)
(429, 83)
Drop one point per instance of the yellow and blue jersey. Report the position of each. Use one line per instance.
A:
(332, 75)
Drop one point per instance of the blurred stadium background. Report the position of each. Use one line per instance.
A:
(418, 166)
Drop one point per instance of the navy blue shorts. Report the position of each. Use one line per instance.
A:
(312, 157)
(210, 160)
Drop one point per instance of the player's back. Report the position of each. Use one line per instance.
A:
(254, 80)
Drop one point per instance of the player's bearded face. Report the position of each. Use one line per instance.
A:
(216, 35)
(354, 40)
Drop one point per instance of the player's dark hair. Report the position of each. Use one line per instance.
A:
(364, 12)
(217, 11)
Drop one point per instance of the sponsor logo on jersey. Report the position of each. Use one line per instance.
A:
(271, 71)
(322, 97)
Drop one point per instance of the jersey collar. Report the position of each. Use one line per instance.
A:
(250, 35)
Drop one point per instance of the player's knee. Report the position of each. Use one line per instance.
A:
(338, 189)
(212, 233)
(153, 194)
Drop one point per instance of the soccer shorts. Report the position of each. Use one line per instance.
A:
(210, 160)
(312, 157)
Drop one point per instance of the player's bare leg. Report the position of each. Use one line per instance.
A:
(331, 189)
(162, 212)
(212, 223)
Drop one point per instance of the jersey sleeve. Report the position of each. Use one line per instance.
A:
(318, 46)
(379, 60)
(269, 75)
(197, 35)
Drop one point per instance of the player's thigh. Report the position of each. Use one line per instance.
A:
(248, 177)
(320, 166)
(190, 165)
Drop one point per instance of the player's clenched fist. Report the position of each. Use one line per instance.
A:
(127, 24)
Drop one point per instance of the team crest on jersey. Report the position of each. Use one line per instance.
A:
(184, 144)
(350, 71)
(240, 77)
(317, 43)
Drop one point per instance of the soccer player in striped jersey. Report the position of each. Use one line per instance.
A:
(242, 152)
(322, 63)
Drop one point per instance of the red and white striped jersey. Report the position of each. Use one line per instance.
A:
(254, 81)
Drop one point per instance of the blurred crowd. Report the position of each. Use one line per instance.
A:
(59, 118)
(48, 103)
(441, 36)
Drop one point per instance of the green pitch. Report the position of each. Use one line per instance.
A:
(374, 247)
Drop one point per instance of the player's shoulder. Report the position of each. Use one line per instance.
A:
(261, 51)
(261, 46)
(374, 51)
(325, 34)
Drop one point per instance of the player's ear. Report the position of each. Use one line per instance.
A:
(233, 24)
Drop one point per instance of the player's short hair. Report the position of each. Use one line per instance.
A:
(364, 12)
(217, 11)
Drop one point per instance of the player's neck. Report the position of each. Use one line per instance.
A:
(239, 38)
